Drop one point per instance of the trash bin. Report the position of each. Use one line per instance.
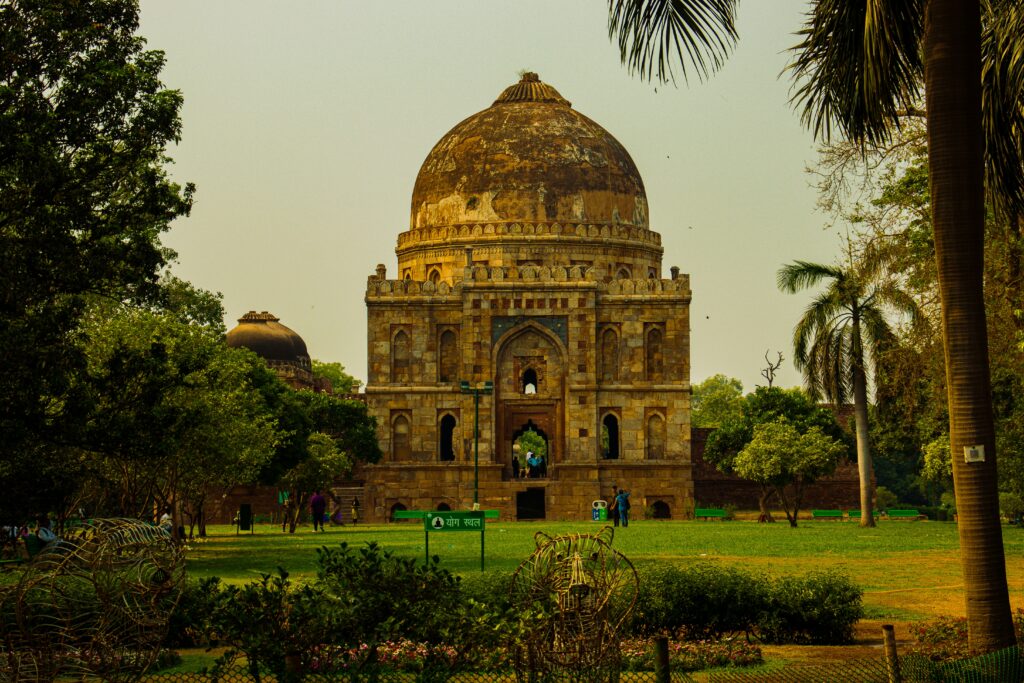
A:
(245, 517)
(599, 513)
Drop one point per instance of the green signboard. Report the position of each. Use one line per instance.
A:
(454, 521)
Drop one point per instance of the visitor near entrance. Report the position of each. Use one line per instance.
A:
(622, 505)
(355, 510)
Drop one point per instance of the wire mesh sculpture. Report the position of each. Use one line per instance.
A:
(576, 593)
(92, 605)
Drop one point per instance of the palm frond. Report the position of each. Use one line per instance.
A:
(652, 35)
(1002, 83)
(857, 65)
(824, 311)
(800, 275)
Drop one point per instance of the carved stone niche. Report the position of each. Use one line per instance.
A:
(522, 365)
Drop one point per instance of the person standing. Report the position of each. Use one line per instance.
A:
(622, 504)
(317, 506)
(355, 510)
(613, 509)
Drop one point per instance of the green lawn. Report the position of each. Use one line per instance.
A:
(908, 569)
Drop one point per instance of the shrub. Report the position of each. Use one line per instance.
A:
(945, 638)
(1011, 505)
(819, 608)
(699, 601)
(189, 621)
(488, 588)
(884, 498)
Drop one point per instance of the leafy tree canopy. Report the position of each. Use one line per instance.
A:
(716, 400)
(341, 382)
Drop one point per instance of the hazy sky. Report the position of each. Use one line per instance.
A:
(305, 124)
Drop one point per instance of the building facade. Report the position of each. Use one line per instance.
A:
(529, 263)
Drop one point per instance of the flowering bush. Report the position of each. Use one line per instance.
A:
(945, 638)
(403, 655)
(638, 655)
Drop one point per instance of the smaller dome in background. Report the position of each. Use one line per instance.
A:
(264, 335)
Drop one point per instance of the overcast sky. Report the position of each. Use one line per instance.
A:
(305, 124)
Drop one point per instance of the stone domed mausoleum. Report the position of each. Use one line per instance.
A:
(281, 347)
(529, 263)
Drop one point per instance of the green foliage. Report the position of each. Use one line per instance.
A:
(532, 441)
(1011, 506)
(938, 464)
(340, 381)
(765, 405)
(819, 608)
(782, 458)
(189, 623)
(84, 125)
(885, 498)
(639, 655)
(716, 401)
(707, 601)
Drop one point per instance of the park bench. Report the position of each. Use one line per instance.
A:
(912, 515)
(709, 513)
(855, 514)
(827, 514)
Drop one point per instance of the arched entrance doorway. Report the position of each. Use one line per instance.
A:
(529, 390)
(531, 444)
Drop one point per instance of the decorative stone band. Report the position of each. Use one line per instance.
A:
(466, 232)
(509, 275)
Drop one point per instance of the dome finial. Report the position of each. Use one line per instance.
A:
(531, 89)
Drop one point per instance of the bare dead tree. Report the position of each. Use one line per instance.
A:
(769, 372)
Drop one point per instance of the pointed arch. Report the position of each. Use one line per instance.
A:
(609, 355)
(401, 438)
(448, 357)
(434, 276)
(530, 383)
(654, 443)
(610, 439)
(654, 342)
(446, 438)
(401, 353)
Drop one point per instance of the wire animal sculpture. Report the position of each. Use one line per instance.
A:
(576, 593)
(92, 605)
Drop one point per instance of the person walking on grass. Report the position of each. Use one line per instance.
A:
(317, 506)
(622, 505)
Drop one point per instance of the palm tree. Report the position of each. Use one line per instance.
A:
(860, 63)
(834, 339)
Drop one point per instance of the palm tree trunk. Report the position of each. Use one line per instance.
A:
(864, 466)
(952, 51)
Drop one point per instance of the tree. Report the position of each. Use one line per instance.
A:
(84, 125)
(716, 400)
(767, 405)
(785, 460)
(340, 381)
(323, 464)
(860, 64)
(834, 340)
(532, 441)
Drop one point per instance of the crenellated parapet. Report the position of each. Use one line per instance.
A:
(471, 232)
(536, 275)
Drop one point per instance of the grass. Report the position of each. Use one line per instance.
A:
(908, 570)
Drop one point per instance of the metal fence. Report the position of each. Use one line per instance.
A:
(1005, 666)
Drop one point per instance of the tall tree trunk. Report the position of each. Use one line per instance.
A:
(864, 466)
(762, 504)
(952, 52)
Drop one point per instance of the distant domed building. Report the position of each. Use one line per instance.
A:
(280, 346)
(529, 263)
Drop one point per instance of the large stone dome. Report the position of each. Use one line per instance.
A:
(264, 335)
(530, 158)
(529, 181)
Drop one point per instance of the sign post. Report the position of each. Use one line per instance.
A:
(445, 520)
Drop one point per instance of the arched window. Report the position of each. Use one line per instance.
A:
(446, 447)
(655, 441)
(444, 507)
(610, 437)
(623, 274)
(661, 510)
(408, 275)
(652, 274)
(655, 359)
(397, 507)
(435, 276)
(609, 355)
(401, 439)
(530, 381)
(400, 354)
(448, 357)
